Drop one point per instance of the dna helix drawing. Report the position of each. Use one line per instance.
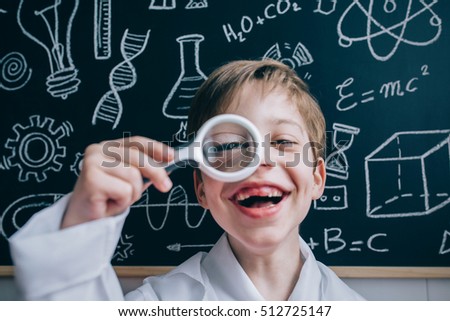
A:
(122, 77)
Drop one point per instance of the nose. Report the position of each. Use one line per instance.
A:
(268, 157)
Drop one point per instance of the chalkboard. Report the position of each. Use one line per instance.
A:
(78, 72)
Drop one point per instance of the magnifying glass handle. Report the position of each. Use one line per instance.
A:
(182, 161)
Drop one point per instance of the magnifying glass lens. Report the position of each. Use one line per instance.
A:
(229, 147)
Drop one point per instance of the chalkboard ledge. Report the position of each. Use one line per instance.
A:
(375, 272)
(361, 272)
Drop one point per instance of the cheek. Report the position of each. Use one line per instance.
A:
(212, 190)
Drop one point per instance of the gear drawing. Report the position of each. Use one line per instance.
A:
(36, 148)
(77, 164)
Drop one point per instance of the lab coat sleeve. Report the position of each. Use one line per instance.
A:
(68, 264)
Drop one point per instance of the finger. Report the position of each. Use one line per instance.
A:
(117, 193)
(148, 168)
(157, 150)
(129, 174)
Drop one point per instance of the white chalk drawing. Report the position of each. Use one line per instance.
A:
(20, 211)
(334, 242)
(178, 101)
(394, 88)
(177, 247)
(445, 245)
(336, 162)
(3, 11)
(297, 57)
(375, 29)
(51, 28)
(333, 198)
(171, 4)
(177, 199)
(248, 24)
(331, 5)
(191, 77)
(77, 164)
(408, 174)
(124, 249)
(162, 5)
(14, 71)
(37, 148)
(123, 76)
(197, 4)
(102, 29)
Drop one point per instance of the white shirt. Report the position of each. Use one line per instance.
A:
(74, 264)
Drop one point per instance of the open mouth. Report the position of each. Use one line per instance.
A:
(259, 197)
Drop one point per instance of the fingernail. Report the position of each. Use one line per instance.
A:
(167, 184)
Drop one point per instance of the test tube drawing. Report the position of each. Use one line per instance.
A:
(337, 163)
(122, 77)
(177, 103)
(102, 29)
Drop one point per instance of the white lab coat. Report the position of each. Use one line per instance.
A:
(74, 264)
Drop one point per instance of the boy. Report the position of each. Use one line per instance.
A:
(260, 255)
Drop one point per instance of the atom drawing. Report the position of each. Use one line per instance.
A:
(411, 15)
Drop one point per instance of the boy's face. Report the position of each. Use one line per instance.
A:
(264, 211)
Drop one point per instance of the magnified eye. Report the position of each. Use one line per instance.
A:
(229, 146)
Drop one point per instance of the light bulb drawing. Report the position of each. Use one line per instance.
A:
(50, 26)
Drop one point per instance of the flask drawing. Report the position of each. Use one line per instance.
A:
(178, 101)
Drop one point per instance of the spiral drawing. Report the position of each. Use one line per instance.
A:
(14, 71)
(122, 77)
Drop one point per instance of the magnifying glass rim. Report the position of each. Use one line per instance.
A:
(228, 176)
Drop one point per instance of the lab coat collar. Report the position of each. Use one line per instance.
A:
(227, 277)
(225, 273)
(309, 283)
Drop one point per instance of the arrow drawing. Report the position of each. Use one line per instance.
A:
(176, 247)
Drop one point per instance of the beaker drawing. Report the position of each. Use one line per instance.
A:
(336, 163)
(177, 103)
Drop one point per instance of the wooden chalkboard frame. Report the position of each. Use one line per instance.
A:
(351, 272)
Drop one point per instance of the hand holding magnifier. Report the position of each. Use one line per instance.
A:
(227, 148)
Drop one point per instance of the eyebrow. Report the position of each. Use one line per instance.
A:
(283, 121)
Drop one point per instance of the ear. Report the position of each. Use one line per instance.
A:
(200, 189)
(319, 178)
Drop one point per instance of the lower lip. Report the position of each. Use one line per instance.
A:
(260, 212)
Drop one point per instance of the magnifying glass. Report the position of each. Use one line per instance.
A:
(227, 147)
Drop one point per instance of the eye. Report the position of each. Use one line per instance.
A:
(282, 143)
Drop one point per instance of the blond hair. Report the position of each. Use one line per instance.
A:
(225, 83)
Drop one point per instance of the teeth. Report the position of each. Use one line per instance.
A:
(243, 196)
